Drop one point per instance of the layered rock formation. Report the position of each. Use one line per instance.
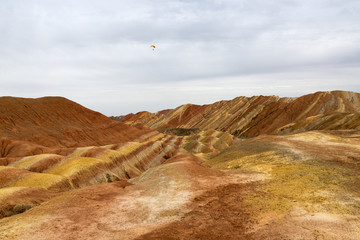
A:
(56, 147)
(71, 173)
(249, 117)
(302, 186)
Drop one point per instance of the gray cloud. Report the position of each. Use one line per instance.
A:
(97, 52)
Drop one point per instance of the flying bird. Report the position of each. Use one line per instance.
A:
(153, 47)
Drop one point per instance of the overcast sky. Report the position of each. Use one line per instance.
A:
(97, 52)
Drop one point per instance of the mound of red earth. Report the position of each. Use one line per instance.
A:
(248, 117)
(33, 126)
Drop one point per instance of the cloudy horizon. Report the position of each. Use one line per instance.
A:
(97, 53)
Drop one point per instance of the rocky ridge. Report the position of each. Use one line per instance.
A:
(249, 117)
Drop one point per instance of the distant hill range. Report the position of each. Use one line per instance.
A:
(253, 116)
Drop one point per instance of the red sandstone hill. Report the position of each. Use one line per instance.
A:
(54, 122)
(244, 116)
